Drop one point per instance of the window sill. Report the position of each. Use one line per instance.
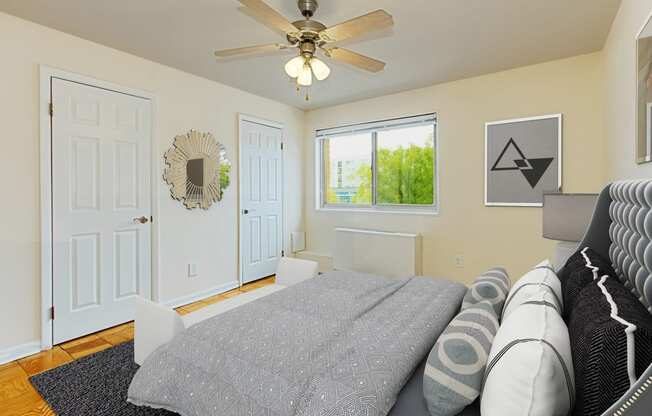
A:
(400, 211)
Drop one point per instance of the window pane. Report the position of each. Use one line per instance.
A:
(405, 166)
(347, 169)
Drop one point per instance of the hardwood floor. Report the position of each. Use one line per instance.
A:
(19, 398)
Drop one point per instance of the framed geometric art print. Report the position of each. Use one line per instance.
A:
(522, 160)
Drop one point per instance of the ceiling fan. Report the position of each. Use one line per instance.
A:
(309, 36)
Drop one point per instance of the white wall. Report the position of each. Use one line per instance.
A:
(485, 236)
(208, 238)
(620, 83)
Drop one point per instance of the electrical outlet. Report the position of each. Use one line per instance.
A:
(192, 270)
(459, 261)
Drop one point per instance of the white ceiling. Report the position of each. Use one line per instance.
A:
(433, 41)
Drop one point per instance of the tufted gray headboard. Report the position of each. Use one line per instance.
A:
(630, 232)
(621, 230)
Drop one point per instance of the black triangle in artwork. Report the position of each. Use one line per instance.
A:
(539, 167)
(512, 166)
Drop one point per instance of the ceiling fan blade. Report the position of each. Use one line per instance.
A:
(269, 16)
(358, 26)
(355, 59)
(250, 50)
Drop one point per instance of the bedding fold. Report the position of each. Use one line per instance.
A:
(340, 344)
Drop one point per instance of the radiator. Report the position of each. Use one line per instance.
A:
(377, 252)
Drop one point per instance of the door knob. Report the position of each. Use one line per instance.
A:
(141, 220)
(245, 211)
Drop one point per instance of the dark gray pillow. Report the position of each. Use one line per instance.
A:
(580, 274)
(611, 340)
(492, 286)
(455, 367)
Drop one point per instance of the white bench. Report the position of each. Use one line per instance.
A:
(156, 325)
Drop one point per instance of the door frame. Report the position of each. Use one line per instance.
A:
(46, 255)
(269, 123)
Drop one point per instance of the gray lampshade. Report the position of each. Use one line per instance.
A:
(566, 216)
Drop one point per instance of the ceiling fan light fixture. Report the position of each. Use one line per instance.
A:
(320, 69)
(305, 76)
(294, 66)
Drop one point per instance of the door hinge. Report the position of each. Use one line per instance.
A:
(51, 109)
(281, 145)
(52, 313)
(151, 219)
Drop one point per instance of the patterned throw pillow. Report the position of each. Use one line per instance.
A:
(542, 278)
(574, 262)
(578, 262)
(589, 267)
(456, 363)
(611, 341)
(492, 286)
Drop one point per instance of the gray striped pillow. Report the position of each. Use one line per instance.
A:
(492, 286)
(456, 364)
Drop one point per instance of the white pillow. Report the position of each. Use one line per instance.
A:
(530, 369)
(541, 278)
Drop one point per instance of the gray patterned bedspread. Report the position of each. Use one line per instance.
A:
(339, 344)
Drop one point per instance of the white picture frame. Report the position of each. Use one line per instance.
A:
(643, 151)
(551, 132)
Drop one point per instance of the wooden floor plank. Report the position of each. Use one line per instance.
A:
(214, 299)
(45, 360)
(29, 403)
(119, 337)
(115, 329)
(231, 293)
(13, 382)
(88, 347)
(194, 306)
(78, 341)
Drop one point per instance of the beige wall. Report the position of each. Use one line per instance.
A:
(484, 236)
(620, 83)
(208, 238)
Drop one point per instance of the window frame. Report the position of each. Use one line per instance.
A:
(321, 135)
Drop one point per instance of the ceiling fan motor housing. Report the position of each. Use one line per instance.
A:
(307, 49)
(307, 7)
(308, 31)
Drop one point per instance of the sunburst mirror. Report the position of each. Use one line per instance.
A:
(197, 169)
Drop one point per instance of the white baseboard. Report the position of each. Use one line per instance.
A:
(184, 300)
(19, 351)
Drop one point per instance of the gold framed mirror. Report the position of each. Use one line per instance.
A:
(197, 169)
(644, 93)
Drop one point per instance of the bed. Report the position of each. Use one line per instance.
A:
(417, 311)
(340, 343)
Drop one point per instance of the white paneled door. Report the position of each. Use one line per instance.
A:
(100, 205)
(261, 201)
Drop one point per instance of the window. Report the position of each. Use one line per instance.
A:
(386, 165)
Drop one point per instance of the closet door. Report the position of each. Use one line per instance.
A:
(101, 206)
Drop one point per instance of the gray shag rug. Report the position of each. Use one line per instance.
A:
(94, 386)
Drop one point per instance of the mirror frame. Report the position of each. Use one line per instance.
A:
(191, 146)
